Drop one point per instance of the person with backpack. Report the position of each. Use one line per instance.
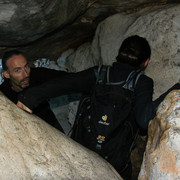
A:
(116, 103)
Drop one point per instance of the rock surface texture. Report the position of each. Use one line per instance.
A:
(161, 27)
(23, 22)
(48, 28)
(31, 149)
(162, 157)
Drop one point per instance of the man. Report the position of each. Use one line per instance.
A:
(134, 54)
(19, 76)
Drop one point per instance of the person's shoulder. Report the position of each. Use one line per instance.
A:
(1, 87)
(144, 79)
(5, 84)
(6, 89)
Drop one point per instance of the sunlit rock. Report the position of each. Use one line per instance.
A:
(162, 157)
(32, 149)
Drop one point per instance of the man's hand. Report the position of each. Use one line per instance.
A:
(22, 106)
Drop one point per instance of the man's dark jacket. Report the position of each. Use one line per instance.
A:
(84, 81)
(37, 77)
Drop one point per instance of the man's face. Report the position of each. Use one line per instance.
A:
(18, 72)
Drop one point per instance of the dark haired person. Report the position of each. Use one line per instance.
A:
(134, 54)
(18, 76)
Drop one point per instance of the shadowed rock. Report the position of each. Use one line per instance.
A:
(23, 22)
(32, 149)
(162, 156)
(48, 28)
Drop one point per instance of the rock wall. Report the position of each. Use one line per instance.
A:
(160, 27)
(31, 149)
(23, 22)
(162, 156)
(45, 29)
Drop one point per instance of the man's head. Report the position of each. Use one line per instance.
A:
(135, 51)
(16, 69)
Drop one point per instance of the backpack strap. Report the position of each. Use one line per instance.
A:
(100, 73)
(132, 80)
(112, 83)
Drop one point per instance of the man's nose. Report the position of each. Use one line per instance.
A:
(25, 73)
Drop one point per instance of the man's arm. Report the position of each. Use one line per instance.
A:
(161, 98)
(143, 104)
(22, 106)
(146, 108)
(80, 82)
(41, 75)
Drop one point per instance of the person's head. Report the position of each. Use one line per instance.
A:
(135, 50)
(16, 69)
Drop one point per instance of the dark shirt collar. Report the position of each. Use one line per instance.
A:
(123, 66)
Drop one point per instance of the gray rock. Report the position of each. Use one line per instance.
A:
(48, 28)
(32, 149)
(23, 22)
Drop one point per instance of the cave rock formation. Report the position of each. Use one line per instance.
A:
(32, 149)
(162, 155)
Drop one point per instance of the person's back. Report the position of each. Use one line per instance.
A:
(133, 56)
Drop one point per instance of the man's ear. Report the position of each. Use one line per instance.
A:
(146, 62)
(6, 74)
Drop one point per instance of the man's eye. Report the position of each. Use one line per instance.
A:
(17, 70)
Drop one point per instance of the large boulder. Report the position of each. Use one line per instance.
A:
(45, 29)
(23, 22)
(162, 156)
(32, 149)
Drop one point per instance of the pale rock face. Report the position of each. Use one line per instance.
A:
(81, 59)
(32, 149)
(160, 27)
(162, 157)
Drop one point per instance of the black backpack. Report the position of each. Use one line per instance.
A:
(105, 120)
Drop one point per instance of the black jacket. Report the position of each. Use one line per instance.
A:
(84, 81)
(37, 77)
